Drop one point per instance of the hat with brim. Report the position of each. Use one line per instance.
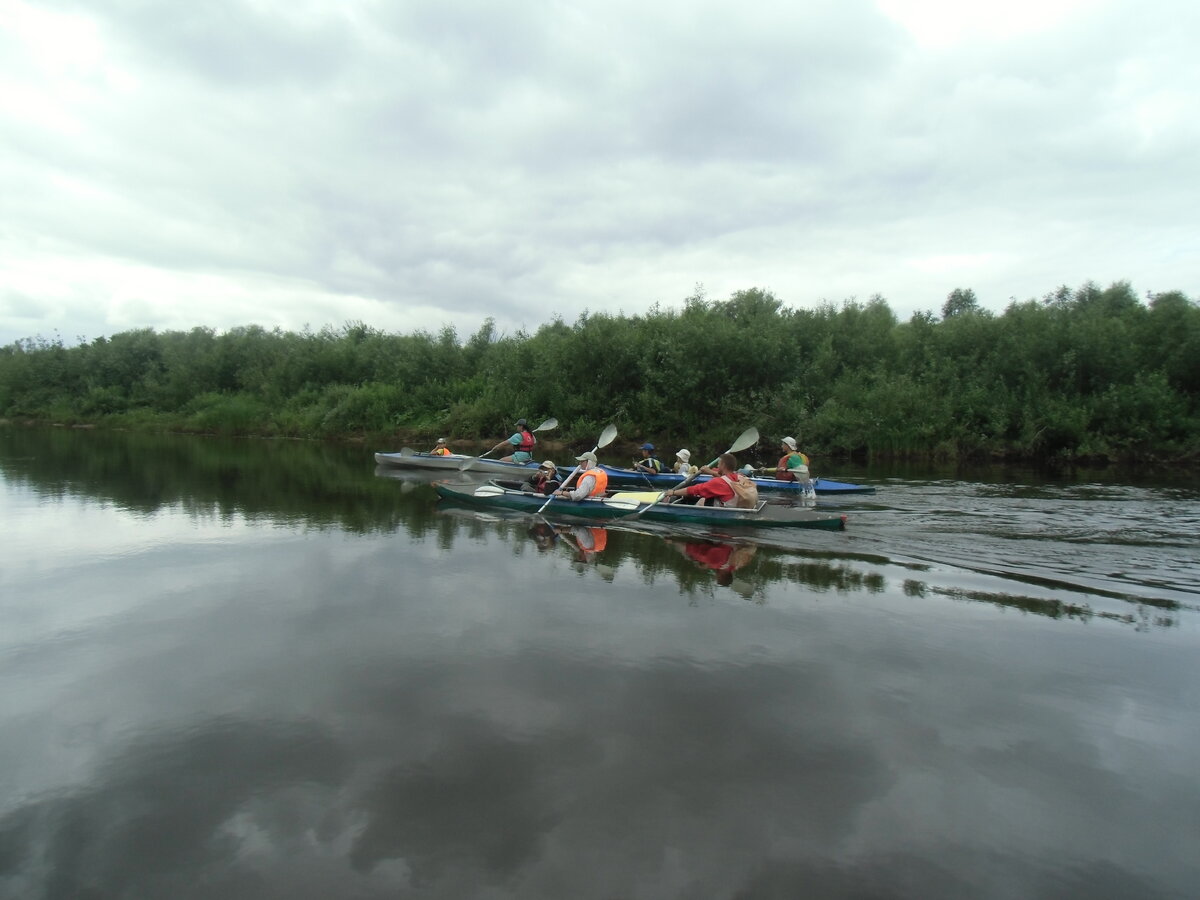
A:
(647, 446)
(549, 465)
(441, 440)
(685, 455)
(589, 456)
(791, 442)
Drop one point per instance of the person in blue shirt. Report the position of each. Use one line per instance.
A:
(649, 463)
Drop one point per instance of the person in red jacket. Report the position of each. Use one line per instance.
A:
(717, 491)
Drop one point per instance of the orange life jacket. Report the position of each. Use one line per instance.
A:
(600, 485)
(439, 451)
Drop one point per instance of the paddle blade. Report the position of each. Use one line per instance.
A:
(748, 438)
(407, 451)
(607, 436)
(547, 425)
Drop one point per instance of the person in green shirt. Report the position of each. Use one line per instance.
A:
(793, 465)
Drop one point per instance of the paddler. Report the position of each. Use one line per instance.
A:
(719, 490)
(591, 482)
(544, 481)
(793, 465)
(683, 462)
(649, 463)
(441, 449)
(522, 442)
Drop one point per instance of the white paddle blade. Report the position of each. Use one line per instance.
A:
(748, 438)
(606, 436)
(626, 505)
(547, 425)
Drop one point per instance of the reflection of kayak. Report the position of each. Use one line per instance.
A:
(619, 506)
(630, 478)
(407, 459)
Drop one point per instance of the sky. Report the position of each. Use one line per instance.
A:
(422, 164)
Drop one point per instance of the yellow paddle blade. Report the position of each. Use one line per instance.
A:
(637, 496)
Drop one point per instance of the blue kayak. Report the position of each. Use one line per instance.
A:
(619, 477)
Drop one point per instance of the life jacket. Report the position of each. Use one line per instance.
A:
(544, 482)
(440, 451)
(781, 467)
(527, 441)
(600, 485)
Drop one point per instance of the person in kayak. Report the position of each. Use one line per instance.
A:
(522, 442)
(544, 481)
(441, 449)
(649, 463)
(717, 491)
(592, 481)
(793, 465)
(683, 463)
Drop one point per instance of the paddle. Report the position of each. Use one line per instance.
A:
(545, 426)
(606, 438)
(747, 438)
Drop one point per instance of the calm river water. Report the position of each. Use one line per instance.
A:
(259, 669)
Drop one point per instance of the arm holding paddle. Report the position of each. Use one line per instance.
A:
(606, 438)
(507, 442)
(747, 438)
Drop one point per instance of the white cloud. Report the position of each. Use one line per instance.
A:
(420, 165)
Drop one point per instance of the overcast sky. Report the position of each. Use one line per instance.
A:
(425, 163)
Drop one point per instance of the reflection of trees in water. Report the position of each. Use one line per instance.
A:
(1142, 619)
(295, 482)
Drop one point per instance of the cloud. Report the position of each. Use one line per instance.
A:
(425, 164)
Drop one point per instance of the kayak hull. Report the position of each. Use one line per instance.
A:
(635, 507)
(453, 463)
(619, 477)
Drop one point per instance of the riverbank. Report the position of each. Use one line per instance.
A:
(561, 443)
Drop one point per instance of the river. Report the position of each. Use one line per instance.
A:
(262, 669)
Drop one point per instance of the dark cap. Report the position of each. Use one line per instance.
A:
(522, 422)
(647, 446)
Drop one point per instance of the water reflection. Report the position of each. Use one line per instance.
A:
(287, 482)
(346, 688)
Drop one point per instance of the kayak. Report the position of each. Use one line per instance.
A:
(619, 477)
(455, 462)
(631, 505)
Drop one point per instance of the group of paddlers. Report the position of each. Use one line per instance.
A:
(723, 489)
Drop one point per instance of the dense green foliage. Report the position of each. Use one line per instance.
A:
(1079, 373)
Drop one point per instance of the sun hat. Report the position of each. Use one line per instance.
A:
(790, 441)
(548, 464)
(522, 422)
(441, 440)
(684, 455)
(589, 456)
(647, 446)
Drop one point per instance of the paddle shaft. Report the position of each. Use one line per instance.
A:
(606, 438)
(545, 426)
(745, 439)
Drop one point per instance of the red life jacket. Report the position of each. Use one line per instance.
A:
(527, 441)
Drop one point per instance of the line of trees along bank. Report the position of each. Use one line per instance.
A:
(1086, 373)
